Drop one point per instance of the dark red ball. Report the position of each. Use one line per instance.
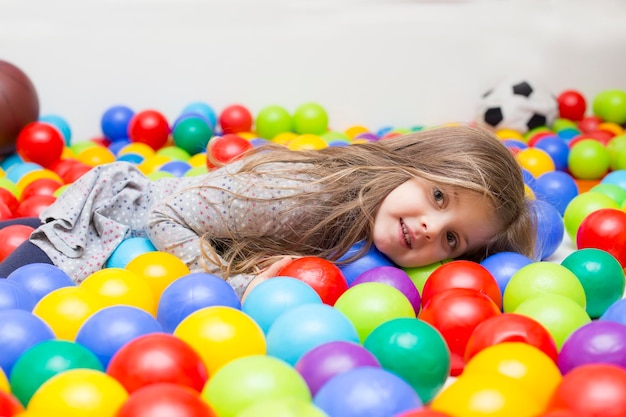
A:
(604, 229)
(227, 148)
(572, 105)
(41, 143)
(323, 276)
(236, 119)
(11, 237)
(165, 399)
(33, 206)
(149, 127)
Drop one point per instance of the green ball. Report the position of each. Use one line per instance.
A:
(542, 278)
(335, 136)
(271, 121)
(419, 274)
(617, 152)
(283, 407)
(614, 191)
(370, 304)
(45, 360)
(250, 379)
(561, 124)
(414, 350)
(601, 276)
(588, 160)
(559, 315)
(174, 153)
(581, 206)
(610, 106)
(310, 118)
(192, 135)
(195, 171)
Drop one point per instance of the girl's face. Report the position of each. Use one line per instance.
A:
(420, 223)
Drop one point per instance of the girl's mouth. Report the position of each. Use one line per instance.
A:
(405, 234)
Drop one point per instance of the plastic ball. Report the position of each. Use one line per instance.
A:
(510, 327)
(192, 134)
(366, 391)
(19, 331)
(165, 399)
(310, 118)
(202, 109)
(394, 277)
(220, 335)
(15, 295)
(157, 358)
(79, 393)
(9, 405)
(455, 313)
(235, 119)
(40, 143)
(107, 330)
(282, 407)
(462, 274)
(616, 312)
(175, 168)
(268, 300)
(273, 120)
(503, 265)
(249, 380)
(193, 292)
(149, 127)
(19, 105)
(41, 278)
(127, 250)
(617, 153)
(17, 171)
(321, 363)
(114, 122)
(303, 328)
(581, 206)
(227, 148)
(322, 275)
(117, 286)
(13, 236)
(588, 160)
(616, 177)
(592, 390)
(604, 229)
(560, 315)
(413, 350)
(614, 191)
(372, 258)
(45, 360)
(557, 149)
(420, 274)
(610, 106)
(33, 206)
(557, 188)
(541, 278)
(41, 186)
(535, 160)
(158, 269)
(572, 105)
(307, 141)
(600, 341)
(550, 228)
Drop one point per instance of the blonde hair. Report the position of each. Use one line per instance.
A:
(354, 180)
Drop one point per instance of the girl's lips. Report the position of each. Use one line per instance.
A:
(405, 235)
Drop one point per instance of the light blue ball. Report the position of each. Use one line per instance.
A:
(127, 250)
(61, 124)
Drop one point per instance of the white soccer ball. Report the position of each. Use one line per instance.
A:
(519, 105)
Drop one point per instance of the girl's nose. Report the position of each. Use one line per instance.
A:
(430, 228)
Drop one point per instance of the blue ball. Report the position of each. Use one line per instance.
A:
(191, 293)
(616, 312)
(373, 258)
(17, 171)
(127, 250)
(302, 328)
(204, 110)
(529, 179)
(114, 122)
(118, 145)
(19, 330)
(366, 392)
(41, 278)
(15, 295)
(132, 158)
(110, 328)
(568, 134)
(61, 124)
(615, 177)
(503, 265)
(176, 168)
(550, 229)
(557, 148)
(514, 144)
(557, 188)
(271, 298)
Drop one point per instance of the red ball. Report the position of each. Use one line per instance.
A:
(510, 327)
(19, 105)
(9, 405)
(40, 143)
(33, 206)
(227, 148)
(235, 119)
(455, 313)
(149, 127)
(572, 105)
(11, 237)
(604, 229)
(423, 412)
(462, 274)
(8, 198)
(41, 186)
(75, 171)
(589, 124)
(157, 358)
(592, 390)
(165, 399)
(323, 276)
(5, 211)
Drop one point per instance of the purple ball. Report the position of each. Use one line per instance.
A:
(321, 363)
(595, 342)
(394, 277)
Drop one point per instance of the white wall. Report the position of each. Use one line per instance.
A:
(370, 62)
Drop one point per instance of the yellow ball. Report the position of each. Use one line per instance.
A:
(4, 382)
(510, 134)
(31, 176)
(611, 127)
(221, 334)
(158, 269)
(79, 393)
(486, 395)
(535, 160)
(118, 286)
(66, 309)
(307, 142)
(354, 131)
(284, 138)
(138, 148)
(153, 163)
(522, 362)
(198, 160)
(95, 155)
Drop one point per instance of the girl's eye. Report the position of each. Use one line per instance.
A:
(452, 240)
(438, 195)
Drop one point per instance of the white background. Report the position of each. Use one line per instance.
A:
(368, 62)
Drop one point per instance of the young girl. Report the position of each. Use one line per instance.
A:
(441, 193)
